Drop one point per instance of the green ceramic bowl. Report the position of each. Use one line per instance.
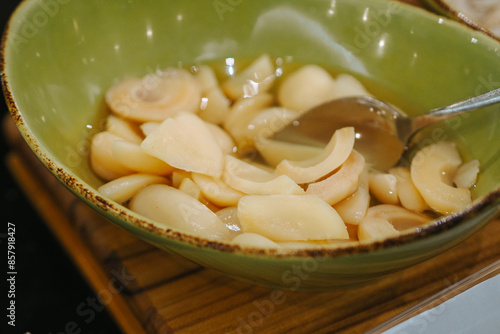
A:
(59, 57)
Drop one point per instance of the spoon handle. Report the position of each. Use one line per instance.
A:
(473, 103)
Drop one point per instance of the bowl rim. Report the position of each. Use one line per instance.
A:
(124, 215)
(443, 7)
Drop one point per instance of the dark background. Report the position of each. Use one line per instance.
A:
(48, 285)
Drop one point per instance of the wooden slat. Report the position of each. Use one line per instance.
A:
(70, 240)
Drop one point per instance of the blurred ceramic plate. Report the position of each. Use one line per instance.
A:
(479, 14)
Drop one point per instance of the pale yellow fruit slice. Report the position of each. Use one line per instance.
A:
(290, 218)
(188, 186)
(171, 208)
(408, 195)
(342, 183)
(156, 96)
(266, 123)
(346, 85)
(242, 112)
(364, 179)
(387, 220)
(353, 208)
(275, 151)
(244, 109)
(226, 143)
(384, 187)
(229, 217)
(305, 88)
(250, 179)
(375, 228)
(185, 142)
(255, 240)
(132, 156)
(206, 77)
(148, 127)
(178, 176)
(335, 153)
(398, 216)
(432, 170)
(101, 157)
(330, 244)
(257, 78)
(466, 175)
(124, 188)
(214, 106)
(217, 191)
(124, 128)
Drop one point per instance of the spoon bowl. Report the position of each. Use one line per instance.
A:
(383, 132)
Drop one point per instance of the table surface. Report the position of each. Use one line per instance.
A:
(145, 290)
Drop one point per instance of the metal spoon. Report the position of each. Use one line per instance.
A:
(382, 131)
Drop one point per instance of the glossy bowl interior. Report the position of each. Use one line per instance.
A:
(59, 60)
